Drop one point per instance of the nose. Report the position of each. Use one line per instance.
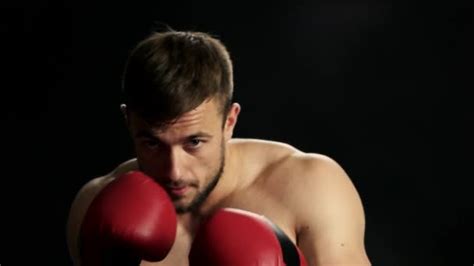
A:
(172, 166)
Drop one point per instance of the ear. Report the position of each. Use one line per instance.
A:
(123, 109)
(231, 120)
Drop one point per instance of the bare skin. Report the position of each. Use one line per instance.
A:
(309, 196)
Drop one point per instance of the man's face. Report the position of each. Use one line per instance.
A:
(186, 157)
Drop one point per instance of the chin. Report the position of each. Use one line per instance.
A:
(182, 207)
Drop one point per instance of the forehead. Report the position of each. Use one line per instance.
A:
(203, 116)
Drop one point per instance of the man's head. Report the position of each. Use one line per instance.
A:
(171, 73)
(178, 106)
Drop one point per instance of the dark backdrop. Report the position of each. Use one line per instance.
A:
(381, 87)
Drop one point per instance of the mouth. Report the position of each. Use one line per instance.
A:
(178, 191)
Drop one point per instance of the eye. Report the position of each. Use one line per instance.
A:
(194, 143)
(150, 144)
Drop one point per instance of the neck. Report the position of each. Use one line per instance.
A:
(226, 185)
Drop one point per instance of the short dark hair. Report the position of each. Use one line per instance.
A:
(170, 73)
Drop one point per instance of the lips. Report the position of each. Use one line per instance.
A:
(178, 190)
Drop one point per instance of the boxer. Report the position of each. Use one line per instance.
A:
(178, 108)
(133, 219)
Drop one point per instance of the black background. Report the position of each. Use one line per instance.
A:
(381, 87)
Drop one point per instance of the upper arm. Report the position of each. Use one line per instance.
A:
(330, 217)
(77, 212)
(82, 201)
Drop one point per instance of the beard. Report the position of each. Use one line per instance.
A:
(208, 188)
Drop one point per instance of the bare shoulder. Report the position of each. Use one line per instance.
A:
(315, 167)
(83, 199)
(282, 159)
(284, 164)
(263, 152)
(259, 156)
(89, 190)
(328, 210)
(276, 150)
(319, 198)
(284, 169)
(320, 180)
(124, 167)
(255, 145)
(297, 173)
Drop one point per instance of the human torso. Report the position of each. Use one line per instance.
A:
(266, 174)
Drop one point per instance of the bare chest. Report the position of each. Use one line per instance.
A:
(178, 255)
(267, 204)
(264, 202)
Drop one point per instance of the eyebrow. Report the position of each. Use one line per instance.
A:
(148, 134)
(144, 134)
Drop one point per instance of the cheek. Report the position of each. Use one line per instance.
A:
(216, 156)
(142, 153)
(146, 158)
(208, 160)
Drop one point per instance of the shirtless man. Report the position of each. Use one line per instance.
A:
(178, 108)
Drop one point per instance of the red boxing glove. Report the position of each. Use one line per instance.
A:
(131, 219)
(234, 237)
